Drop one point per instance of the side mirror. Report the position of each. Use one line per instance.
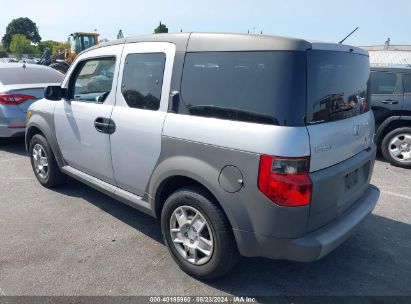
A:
(54, 92)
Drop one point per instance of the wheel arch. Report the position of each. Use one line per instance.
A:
(166, 180)
(390, 124)
(38, 125)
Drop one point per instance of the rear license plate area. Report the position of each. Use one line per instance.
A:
(351, 179)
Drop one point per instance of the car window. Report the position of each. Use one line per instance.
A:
(93, 80)
(337, 85)
(406, 80)
(259, 87)
(143, 80)
(383, 83)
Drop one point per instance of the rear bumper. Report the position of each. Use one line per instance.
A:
(12, 122)
(6, 131)
(314, 245)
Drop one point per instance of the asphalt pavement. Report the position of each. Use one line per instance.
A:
(76, 241)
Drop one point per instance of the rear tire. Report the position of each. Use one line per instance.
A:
(44, 164)
(217, 252)
(396, 147)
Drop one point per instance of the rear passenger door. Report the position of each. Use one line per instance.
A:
(386, 95)
(139, 113)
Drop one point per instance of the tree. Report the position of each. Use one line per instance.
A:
(23, 26)
(21, 45)
(42, 46)
(60, 47)
(162, 28)
(3, 51)
(54, 46)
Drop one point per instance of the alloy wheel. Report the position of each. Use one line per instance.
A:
(191, 235)
(400, 148)
(40, 160)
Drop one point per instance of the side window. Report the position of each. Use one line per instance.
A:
(383, 83)
(406, 80)
(143, 80)
(93, 80)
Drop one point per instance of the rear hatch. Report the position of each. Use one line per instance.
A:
(340, 128)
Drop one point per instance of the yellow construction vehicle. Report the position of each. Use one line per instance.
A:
(78, 42)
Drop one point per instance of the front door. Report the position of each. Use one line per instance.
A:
(140, 111)
(82, 120)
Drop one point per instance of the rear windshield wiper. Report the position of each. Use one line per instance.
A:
(342, 108)
(232, 114)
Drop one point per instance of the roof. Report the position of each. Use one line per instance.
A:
(387, 58)
(391, 47)
(392, 69)
(200, 42)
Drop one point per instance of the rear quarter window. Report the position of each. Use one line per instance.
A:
(259, 87)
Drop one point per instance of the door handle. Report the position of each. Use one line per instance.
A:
(104, 125)
(389, 101)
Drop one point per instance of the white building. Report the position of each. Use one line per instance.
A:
(389, 55)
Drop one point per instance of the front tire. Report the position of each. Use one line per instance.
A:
(198, 234)
(44, 165)
(396, 147)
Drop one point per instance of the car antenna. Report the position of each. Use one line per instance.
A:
(349, 35)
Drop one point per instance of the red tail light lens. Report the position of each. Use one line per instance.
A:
(14, 99)
(285, 181)
(366, 105)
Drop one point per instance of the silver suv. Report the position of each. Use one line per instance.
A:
(243, 145)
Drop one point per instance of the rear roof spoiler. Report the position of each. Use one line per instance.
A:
(338, 47)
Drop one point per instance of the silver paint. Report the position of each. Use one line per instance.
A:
(243, 136)
(340, 135)
(136, 144)
(82, 146)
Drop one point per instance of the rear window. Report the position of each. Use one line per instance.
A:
(337, 85)
(20, 75)
(383, 82)
(260, 87)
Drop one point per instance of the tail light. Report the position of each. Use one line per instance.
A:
(285, 181)
(366, 105)
(14, 99)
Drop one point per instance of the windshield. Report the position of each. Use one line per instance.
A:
(337, 85)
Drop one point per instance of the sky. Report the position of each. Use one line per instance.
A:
(320, 20)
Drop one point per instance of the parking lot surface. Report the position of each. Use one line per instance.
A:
(76, 241)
